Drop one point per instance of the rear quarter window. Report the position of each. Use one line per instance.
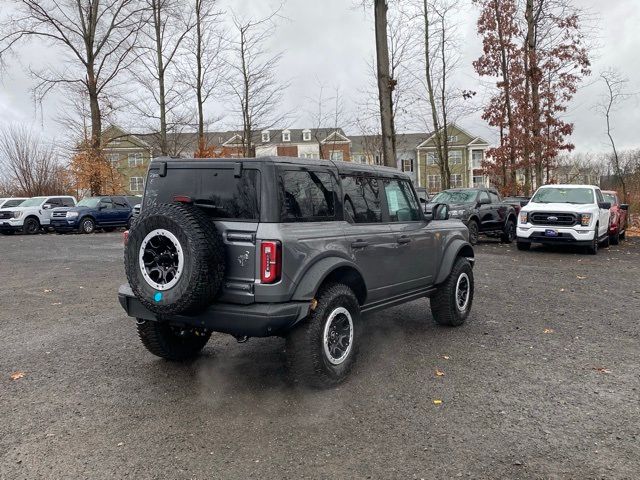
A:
(306, 196)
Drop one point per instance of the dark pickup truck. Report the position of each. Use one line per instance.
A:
(482, 210)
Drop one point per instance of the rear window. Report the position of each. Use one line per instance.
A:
(217, 191)
(306, 196)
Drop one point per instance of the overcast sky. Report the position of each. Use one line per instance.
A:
(332, 41)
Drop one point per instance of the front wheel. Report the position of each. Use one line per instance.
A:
(171, 343)
(87, 225)
(31, 226)
(452, 302)
(509, 232)
(474, 232)
(321, 351)
(593, 248)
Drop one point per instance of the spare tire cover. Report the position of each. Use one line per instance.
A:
(174, 259)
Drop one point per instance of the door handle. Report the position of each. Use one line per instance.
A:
(404, 240)
(359, 244)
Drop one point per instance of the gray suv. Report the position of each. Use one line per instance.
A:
(292, 247)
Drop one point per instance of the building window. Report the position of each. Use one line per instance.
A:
(113, 158)
(407, 165)
(266, 137)
(286, 136)
(309, 155)
(136, 184)
(476, 157)
(306, 135)
(435, 185)
(336, 155)
(456, 180)
(478, 181)
(135, 159)
(452, 138)
(378, 159)
(431, 158)
(359, 158)
(455, 157)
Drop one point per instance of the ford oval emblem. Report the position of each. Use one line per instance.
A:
(552, 219)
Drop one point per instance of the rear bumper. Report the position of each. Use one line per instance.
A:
(254, 320)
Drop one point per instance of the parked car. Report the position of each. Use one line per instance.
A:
(11, 202)
(517, 201)
(299, 248)
(423, 196)
(481, 210)
(565, 214)
(619, 216)
(32, 214)
(105, 212)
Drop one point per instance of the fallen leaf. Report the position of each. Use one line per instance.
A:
(562, 289)
(56, 303)
(437, 402)
(17, 375)
(446, 357)
(580, 277)
(602, 370)
(439, 373)
(121, 444)
(548, 330)
(47, 290)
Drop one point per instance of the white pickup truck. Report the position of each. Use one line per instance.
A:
(32, 214)
(565, 214)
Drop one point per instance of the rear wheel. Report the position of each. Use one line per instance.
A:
(87, 225)
(322, 350)
(171, 343)
(509, 233)
(523, 246)
(474, 232)
(452, 302)
(31, 226)
(615, 239)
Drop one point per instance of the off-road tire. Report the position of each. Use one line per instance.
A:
(509, 233)
(444, 304)
(171, 343)
(474, 232)
(523, 246)
(31, 226)
(87, 225)
(615, 239)
(306, 357)
(203, 256)
(595, 243)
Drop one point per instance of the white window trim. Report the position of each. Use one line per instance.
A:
(306, 135)
(136, 182)
(266, 137)
(286, 136)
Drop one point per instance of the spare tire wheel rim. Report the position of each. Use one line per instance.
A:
(161, 259)
(463, 292)
(337, 338)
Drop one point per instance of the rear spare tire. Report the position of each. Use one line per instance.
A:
(174, 259)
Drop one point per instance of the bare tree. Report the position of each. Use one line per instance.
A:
(96, 39)
(327, 116)
(615, 94)
(386, 83)
(31, 167)
(253, 78)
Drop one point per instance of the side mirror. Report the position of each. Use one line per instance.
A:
(440, 211)
(624, 206)
(605, 205)
(422, 200)
(523, 202)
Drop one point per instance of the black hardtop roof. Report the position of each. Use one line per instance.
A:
(342, 167)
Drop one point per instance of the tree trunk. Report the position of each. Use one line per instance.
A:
(533, 74)
(162, 98)
(199, 97)
(95, 142)
(385, 84)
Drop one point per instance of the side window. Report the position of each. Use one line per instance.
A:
(362, 199)
(54, 202)
(106, 203)
(484, 196)
(401, 201)
(67, 202)
(494, 197)
(120, 203)
(599, 195)
(306, 196)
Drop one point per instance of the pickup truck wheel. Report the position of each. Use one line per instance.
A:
(474, 232)
(171, 343)
(523, 246)
(593, 248)
(174, 259)
(87, 225)
(509, 233)
(452, 302)
(31, 226)
(615, 239)
(322, 350)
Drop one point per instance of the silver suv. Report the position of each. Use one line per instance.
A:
(285, 246)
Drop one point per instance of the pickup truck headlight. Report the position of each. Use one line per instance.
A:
(524, 217)
(17, 214)
(585, 219)
(72, 214)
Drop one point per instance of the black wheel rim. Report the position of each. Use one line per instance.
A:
(32, 226)
(473, 233)
(338, 336)
(161, 260)
(511, 231)
(463, 288)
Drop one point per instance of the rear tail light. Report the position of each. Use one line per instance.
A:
(270, 261)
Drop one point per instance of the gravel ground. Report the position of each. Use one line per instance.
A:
(542, 382)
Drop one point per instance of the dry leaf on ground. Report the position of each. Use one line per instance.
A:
(548, 330)
(602, 370)
(437, 402)
(439, 373)
(17, 375)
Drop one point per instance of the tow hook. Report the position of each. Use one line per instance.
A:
(242, 339)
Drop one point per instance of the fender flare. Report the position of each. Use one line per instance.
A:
(456, 248)
(317, 273)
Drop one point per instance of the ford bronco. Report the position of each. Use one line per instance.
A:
(291, 247)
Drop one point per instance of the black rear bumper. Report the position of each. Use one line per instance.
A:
(254, 320)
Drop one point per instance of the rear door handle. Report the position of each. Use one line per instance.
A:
(359, 244)
(404, 240)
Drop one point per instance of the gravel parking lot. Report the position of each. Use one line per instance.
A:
(542, 382)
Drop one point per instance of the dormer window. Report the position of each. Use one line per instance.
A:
(266, 137)
(306, 135)
(286, 136)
